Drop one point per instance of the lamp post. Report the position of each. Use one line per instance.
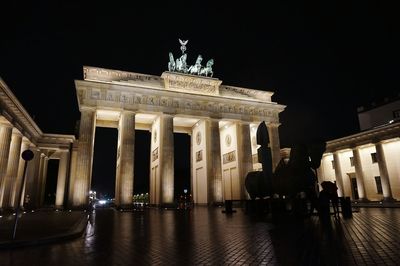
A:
(27, 155)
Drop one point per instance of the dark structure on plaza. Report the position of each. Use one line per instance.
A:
(289, 179)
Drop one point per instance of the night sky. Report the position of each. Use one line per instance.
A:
(322, 60)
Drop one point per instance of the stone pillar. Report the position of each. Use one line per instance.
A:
(72, 174)
(5, 141)
(338, 174)
(273, 132)
(386, 188)
(85, 158)
(12, 169)
(32, 181)
(359, 174)
(167, 159)
(214, 172)
(43, 176)
(125, 160)
(62, 178)
(245, 159)
(15, 197)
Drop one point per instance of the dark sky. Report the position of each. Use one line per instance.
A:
(322, 59)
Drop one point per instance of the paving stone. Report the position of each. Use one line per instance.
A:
(205, 236)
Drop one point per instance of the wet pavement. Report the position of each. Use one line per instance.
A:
(205, 236)
(39, 225)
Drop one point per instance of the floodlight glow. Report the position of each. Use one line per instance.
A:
(102, 202)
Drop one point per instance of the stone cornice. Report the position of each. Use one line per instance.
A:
(240, 93)
(370, 136)
(105, 95)
(55, 141)
(13, 110)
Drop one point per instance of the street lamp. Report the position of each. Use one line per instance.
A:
(27, 155)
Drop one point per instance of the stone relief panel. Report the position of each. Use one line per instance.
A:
(192, 84)
(199, 155)
(154, 155)
(229, 157)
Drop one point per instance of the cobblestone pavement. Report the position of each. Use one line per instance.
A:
(205, 236)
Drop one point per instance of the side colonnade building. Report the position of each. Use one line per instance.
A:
(365, 166)
(221, 120)
(18, 132)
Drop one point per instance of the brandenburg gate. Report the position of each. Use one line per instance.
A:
(221, 120)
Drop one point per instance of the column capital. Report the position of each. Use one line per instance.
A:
(165, 114)
(273, 124)
(16, 132)
(87, 108)
(5, 124)
(128, 112)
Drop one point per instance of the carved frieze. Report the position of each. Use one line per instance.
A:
(154, 100)
(191, 84)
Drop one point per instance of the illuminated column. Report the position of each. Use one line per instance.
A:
(41, 185)
(85, 157)
(214, 172)
(359, 174)
(125, 160)
(5, 141)
(167, 158)
(245, 159)
(62, 178)
(386, 188)
(43, 176)
(72, 173)
(338, 174)
(17, 185)
(32, 181)
(274, 143)
(12, 168)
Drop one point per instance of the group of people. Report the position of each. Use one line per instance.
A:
(328, 195)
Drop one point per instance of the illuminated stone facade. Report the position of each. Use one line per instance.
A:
(221, 120)
(365, 166)
(18, 132)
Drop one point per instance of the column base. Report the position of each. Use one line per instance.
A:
(362, 200)
(388, 199)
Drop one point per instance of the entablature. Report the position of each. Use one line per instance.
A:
(109, 96)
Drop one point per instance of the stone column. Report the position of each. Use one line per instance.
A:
(386, 188)
(167, 159)
(126, 151)
(214, 172)
(32, 181)
(245, 159)
(5, 141)
(15, 197)
(338, 174)
(72, 173)
(12, 169)
(273, 132)
(43, 177)
(359, 174)
(62, 178)
(85, 158)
